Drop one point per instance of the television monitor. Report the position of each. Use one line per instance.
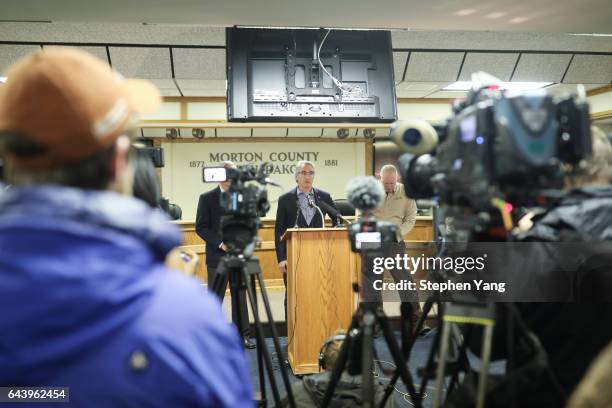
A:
(310, 75)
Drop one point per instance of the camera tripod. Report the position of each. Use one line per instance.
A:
(451, 344)
(243, 273)
(361, 332)
(452, 355)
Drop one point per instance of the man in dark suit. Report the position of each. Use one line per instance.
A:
(208, 227)
(298, 208)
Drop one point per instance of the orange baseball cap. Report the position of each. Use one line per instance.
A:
(71, 103)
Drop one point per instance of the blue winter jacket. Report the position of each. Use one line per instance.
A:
(86, 303)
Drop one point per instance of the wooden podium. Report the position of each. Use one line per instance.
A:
(320, 299)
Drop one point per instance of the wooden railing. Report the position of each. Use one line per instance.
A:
(266, 253)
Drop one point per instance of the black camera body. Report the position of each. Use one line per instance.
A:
(242, 204)
(368, 234)
(244, 200)
(504, 145)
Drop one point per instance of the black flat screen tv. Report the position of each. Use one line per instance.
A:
(310, 75)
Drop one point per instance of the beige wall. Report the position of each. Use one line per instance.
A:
(182, 184)
(601, 102)
(216, 111)
(431, 111)
(182, 175)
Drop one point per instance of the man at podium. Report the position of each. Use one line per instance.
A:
(300, 208)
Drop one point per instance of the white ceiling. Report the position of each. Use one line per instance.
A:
(200, 72)
(189, 60)
(569, 16)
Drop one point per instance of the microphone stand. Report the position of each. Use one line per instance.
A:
(321, 213)
(297, 213)
(312, 203)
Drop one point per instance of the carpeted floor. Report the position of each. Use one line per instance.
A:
(417, 359)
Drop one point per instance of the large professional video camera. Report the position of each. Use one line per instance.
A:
(500, 152)
(499, 148)
(242, 203)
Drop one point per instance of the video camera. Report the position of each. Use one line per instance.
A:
(367, 233)
(500, 150)
(242, 204)
(241, 199)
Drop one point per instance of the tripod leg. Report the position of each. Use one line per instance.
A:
(341, 361)
(261, 347)
(398, 359)
(432, 353)
(367, 360)
(407, 329)
(260, 364)
(484, 367)
(219, 284)
(462, 362)
(420, 323)
(235, 292)
(407, 350)
(446, 329)
(277, 348)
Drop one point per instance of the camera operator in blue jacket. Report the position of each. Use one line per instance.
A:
(86, 300)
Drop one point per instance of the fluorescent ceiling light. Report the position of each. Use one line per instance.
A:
(276, 27)
(508, 86)
(309, 28)
(593, 35)
(3, 79)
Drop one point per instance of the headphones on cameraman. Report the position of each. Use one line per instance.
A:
(326, 343)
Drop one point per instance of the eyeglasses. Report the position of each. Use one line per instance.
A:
(307, 173)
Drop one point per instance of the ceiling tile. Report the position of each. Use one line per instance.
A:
(9, 54)
(399, 64)
(418, 89)
(421, 86)
(99, 52)
(433, 66)
(500, 65)
(199, 63)
(589, 69)
(541, 67)
(166, 87)
(141, 62)
(201, 87)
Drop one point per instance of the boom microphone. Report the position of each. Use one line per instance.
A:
(365, 193)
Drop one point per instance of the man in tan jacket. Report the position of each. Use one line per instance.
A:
(397, 208)
(400, 210)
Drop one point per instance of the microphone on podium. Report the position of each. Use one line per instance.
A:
(310, 199)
